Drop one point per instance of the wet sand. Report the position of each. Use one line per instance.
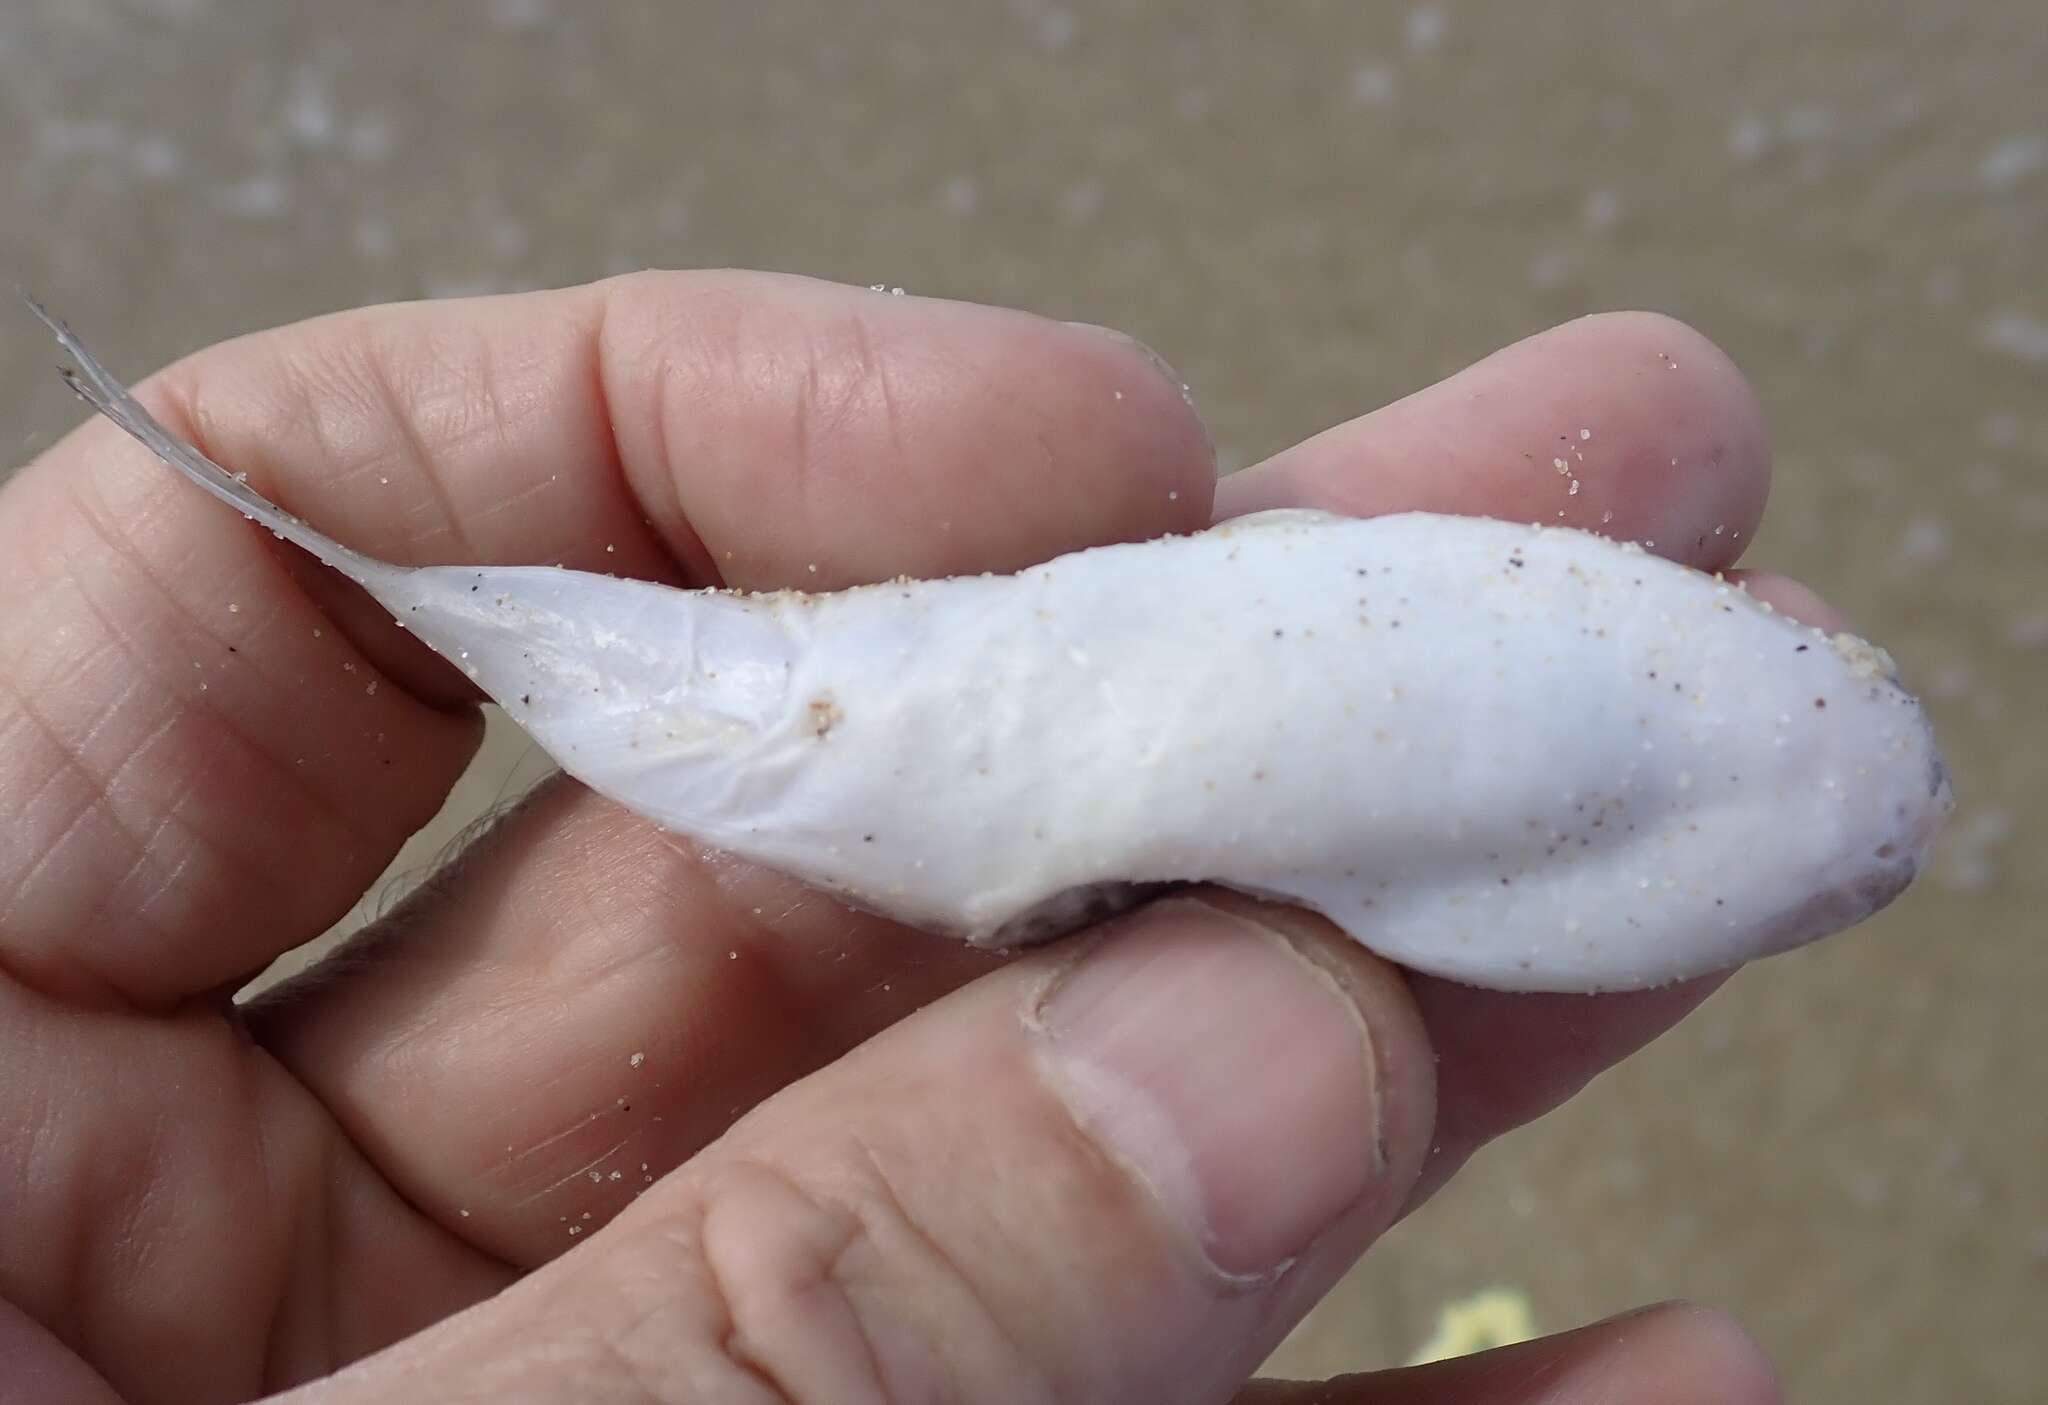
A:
(1310, 209)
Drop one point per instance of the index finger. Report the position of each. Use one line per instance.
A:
(1627, 424)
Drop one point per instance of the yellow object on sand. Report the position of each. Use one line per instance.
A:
(1489, 1318)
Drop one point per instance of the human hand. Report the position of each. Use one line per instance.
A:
(797, 1152)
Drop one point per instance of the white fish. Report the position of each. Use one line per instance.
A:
(1521, 758)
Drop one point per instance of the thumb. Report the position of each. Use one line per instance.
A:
(1119, 1169)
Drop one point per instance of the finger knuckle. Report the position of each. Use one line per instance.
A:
(804, 1290)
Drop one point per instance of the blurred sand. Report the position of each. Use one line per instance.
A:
(1309, 208)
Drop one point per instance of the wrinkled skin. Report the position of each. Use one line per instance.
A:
(600, 1116)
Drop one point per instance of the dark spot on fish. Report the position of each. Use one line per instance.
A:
(1076, 907)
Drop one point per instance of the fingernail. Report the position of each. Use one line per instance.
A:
(1159, 363)
(1231, 1074)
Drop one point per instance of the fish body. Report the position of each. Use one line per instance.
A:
(1522, 758)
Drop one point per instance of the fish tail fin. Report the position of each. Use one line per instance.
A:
(95, 385)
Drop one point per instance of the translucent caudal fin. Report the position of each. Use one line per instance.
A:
(95, 385)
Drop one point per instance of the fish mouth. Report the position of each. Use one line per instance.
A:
(1941, 798)
(1890, 868)
(1837, 909)
(1939, 788)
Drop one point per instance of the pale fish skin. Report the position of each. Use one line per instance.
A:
(1521, 758)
